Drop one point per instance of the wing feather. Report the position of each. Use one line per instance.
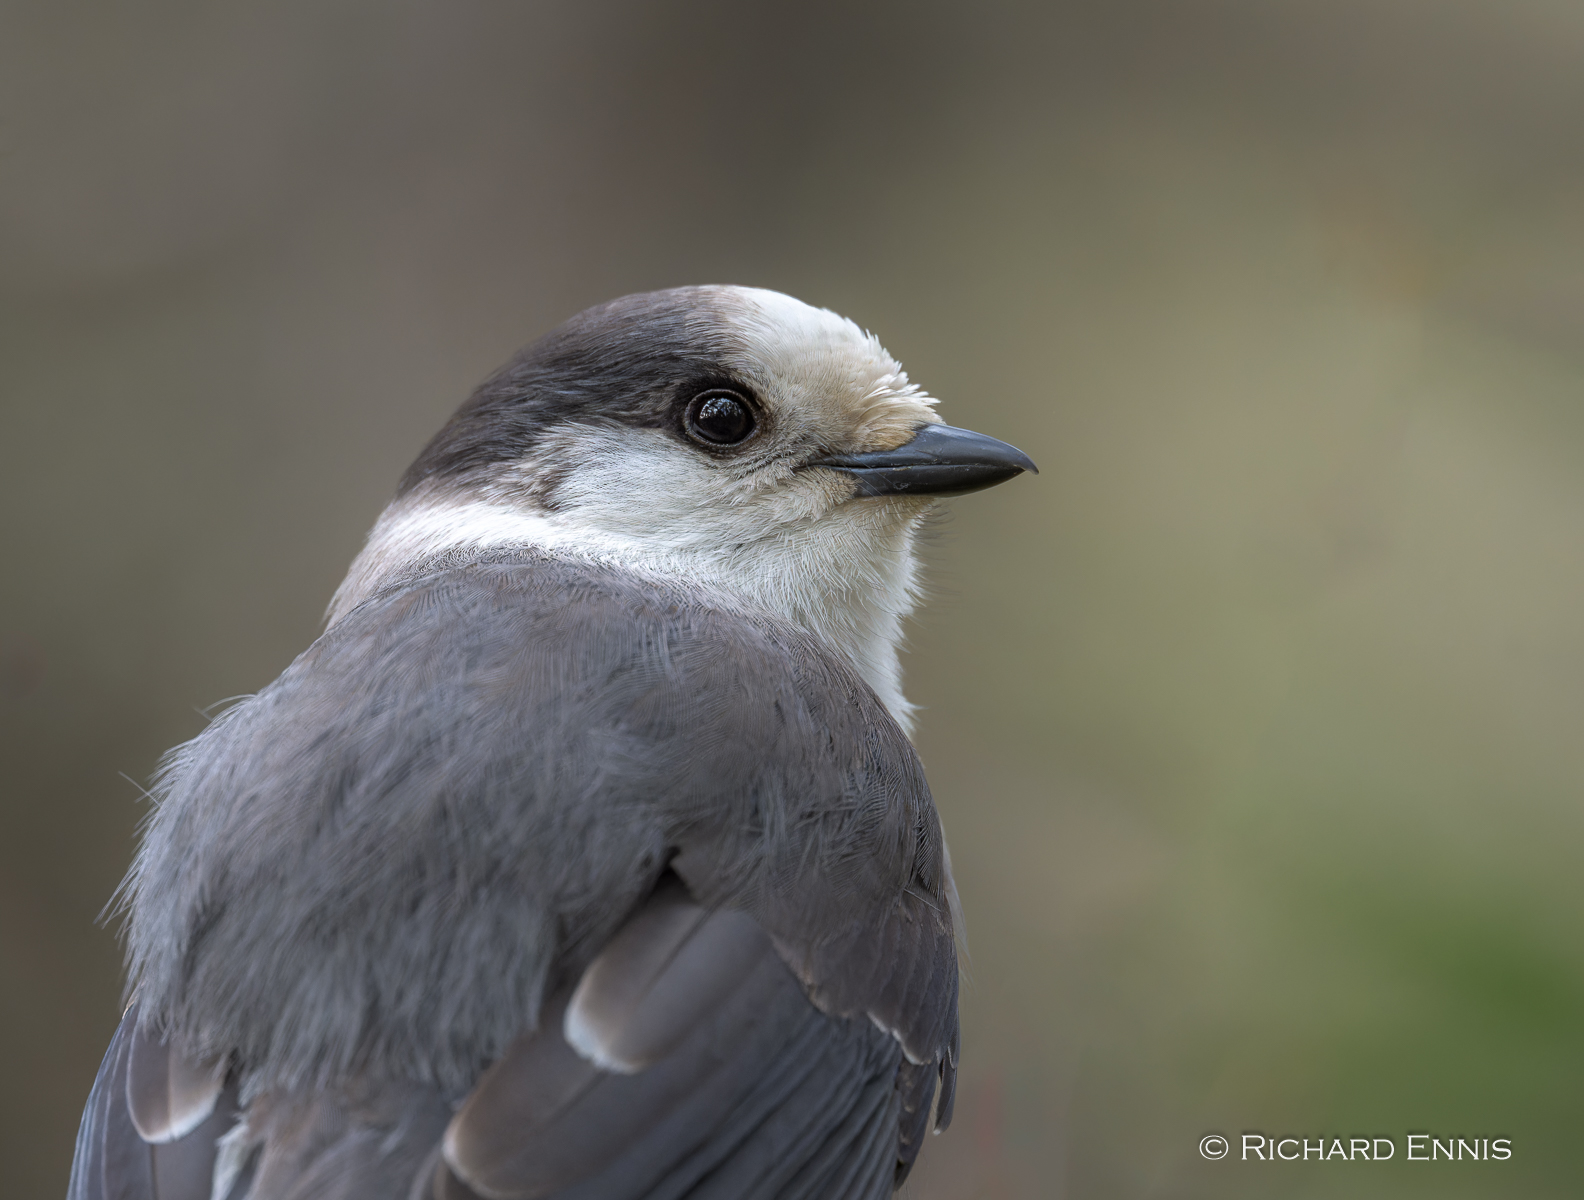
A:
(761, 1087)
(113, 1160)
(168, 1094)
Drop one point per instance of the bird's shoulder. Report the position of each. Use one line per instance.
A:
(561, 619)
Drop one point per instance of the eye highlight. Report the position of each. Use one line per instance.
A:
(720, 418)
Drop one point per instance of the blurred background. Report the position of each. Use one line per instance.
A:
(1255, 720)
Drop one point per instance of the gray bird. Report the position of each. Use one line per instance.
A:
(585, 854)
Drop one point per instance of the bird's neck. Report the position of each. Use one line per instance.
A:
(851, 581)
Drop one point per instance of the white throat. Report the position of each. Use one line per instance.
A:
(849, 577)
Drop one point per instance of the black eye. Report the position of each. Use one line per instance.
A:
(720, 418)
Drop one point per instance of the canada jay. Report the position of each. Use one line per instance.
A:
(585, 854)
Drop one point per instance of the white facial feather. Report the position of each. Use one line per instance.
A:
(750, 526)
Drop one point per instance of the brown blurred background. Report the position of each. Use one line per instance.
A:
(1255, 719)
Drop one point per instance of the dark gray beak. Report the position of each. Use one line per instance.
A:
(939, 461)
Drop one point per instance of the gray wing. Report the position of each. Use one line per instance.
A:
(687, 1062)
(157, 1127)
(700, 1069)
(672, 870)
(151, 1125)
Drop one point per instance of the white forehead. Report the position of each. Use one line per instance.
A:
(819, 368)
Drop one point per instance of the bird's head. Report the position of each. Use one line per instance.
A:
(734, 436)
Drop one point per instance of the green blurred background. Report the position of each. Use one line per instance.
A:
(1255, 719)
